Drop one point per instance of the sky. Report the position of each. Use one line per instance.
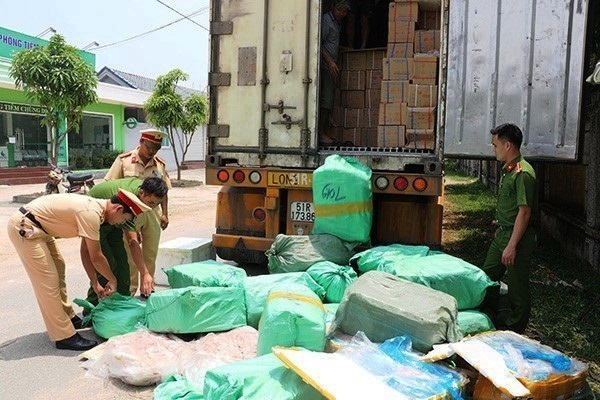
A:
(182, 45)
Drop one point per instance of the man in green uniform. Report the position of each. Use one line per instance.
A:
(515, 239)
(113, 239)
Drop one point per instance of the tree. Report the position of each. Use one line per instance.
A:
(165, 108)
(56, 77)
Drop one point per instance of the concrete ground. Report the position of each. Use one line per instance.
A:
(30, 365)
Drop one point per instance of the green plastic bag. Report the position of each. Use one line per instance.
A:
(472, 322)
(343, 199)
(196, 310)
(177, 387)
(207, 273)
(257, 288)
(297, 253)
(115, 315)
(293, 317)
(376, 258)
(334, 279)
(260, 378)
(451, 275)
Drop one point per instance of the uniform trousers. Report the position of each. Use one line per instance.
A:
(148, 224)
(46, 269)
(113, 248)
(517, 278)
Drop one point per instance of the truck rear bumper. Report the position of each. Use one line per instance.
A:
(241, 242)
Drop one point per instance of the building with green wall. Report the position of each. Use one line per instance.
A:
(24, 141)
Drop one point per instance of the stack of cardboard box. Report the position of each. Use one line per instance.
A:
(355, 113)
(407, 113)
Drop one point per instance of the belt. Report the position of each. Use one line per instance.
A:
(31, 217)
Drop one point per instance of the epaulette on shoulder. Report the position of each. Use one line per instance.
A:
(123, 155)
(160, 160)
(518, 168)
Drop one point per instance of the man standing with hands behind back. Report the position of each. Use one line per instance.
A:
(330, 70)
(515, 239)
(142, 163)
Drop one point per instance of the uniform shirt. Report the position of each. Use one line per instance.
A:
(517, 188)
(106, 190)
(330, 37)
(69, 215)
(130, 165)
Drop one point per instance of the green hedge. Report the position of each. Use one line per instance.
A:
(91, 158)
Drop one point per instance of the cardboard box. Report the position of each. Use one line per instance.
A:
(372, 98)
(337, 116)
(403, 11)
(421, 118)
(351, 135)
(400, 50)
(394, 91)
(352, 80)
(354, 60)
(393, 114)
(371, 117)
(422, 139)
(374, 58)
(369, 137)
(353, 98)
(429, 19)
(391, 135)
(401, 69)
(425, 69)
(422, 96)
(427, 41)
(374, 78)
(401, 32)
(353, 118)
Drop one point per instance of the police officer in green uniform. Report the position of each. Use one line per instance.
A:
(113, 238)
(515, 239)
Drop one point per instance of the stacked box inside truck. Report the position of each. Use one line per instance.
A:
(388, 98)
(357, 100)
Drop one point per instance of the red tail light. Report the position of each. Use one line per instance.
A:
(259, 214)
(239, 176)
(401, 183)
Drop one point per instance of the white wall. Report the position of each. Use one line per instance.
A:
(196, 152)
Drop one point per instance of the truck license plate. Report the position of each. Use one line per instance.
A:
(302, 211)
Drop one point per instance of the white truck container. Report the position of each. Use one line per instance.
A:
(499, 61)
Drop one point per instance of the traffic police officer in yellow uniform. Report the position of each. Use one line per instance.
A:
(143, 163)
(515, 239)
(33, 230)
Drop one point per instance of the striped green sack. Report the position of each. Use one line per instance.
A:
(343, 199)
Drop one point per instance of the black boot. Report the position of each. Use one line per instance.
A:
(77, 322)
(76, 342)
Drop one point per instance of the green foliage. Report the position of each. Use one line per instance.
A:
(56, 77)
(181, 117)
(563, 288)
(80, 159)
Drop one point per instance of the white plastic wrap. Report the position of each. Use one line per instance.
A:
(145, 358)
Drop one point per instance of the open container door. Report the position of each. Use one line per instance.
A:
(264, 63)
(515, 61)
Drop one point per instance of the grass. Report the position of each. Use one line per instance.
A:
(564, 289)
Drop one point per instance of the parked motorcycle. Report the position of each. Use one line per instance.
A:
(61, 180)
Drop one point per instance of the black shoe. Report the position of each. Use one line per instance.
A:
(76, 342)
(77, 322)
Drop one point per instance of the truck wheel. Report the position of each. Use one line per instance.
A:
(254, 262)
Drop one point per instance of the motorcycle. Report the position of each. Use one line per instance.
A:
(61, 180)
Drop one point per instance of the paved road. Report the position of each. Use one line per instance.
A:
(30, 366)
